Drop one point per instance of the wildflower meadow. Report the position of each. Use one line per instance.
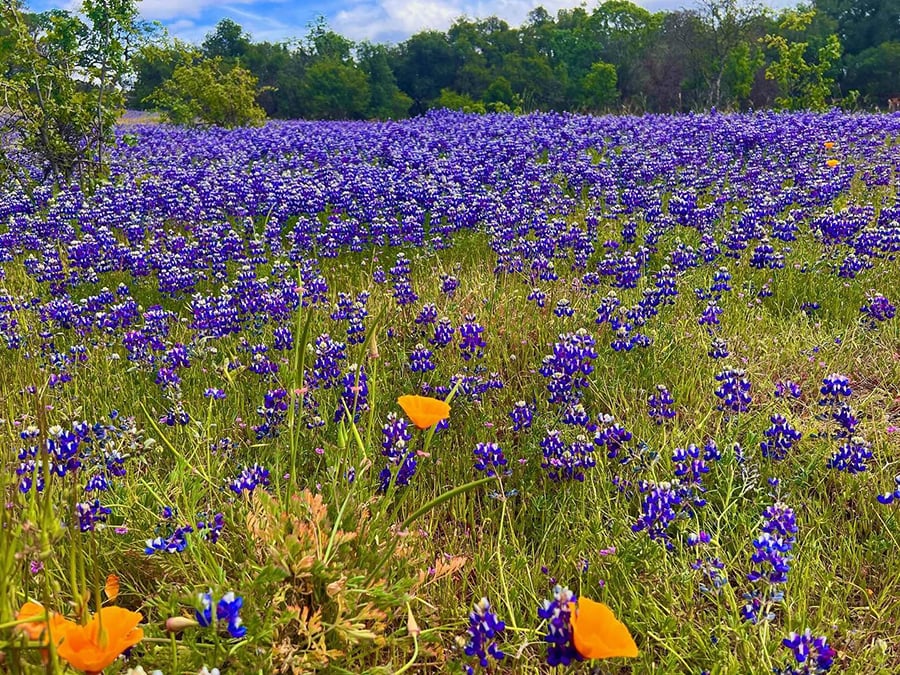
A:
(497, 393)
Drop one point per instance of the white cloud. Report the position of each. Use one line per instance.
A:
(378, 20)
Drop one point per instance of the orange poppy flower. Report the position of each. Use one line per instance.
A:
(832, 163)
(36, 629)
(112, 587)
(97, 644)
(597, 633)
(829, 145)
(424, 411)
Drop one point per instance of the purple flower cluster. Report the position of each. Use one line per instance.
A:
(394, 447)
(558, 614)
(734, 391)
(770, 563)
(484, 630)
(813, 654)
(249, 479)
(567, 368)
(779, 438)
(566, 461)
(227, 609)
(489, 459)
(659, 405)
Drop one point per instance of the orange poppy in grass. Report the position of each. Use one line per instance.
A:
(97, 644)
(829, 145)
(112, 587)
(832, 163)
(424, 411)
(41, 619)
(597, 633)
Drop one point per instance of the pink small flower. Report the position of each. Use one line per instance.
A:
(893, 429)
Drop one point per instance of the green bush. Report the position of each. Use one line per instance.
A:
(208, 93)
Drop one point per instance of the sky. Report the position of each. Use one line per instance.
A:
(373, 20)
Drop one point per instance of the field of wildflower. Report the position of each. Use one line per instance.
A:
(499, 394)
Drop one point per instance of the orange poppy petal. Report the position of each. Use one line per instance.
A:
(119, 621)
(424, 411)
(598, 634)
(97, 644)
(37, 628)
(112, 587)
(38, 624)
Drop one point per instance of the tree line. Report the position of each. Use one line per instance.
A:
(724, 54)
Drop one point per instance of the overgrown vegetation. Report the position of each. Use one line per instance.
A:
(607, 56)
(669, 351)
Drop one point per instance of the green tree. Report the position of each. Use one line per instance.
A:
(334, 90)
(153, 64)
(228, 40)
(425, 64)
(599, 86)
(874, 72)
(209, 92)
(730, 32)
(62, 82)
(804, 82)
(862, 24)
(386, 101)
(453, 100)
(499, 91)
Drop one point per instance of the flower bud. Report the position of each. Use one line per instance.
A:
(176, 624)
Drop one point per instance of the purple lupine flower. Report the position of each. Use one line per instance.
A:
(563, 308)
(558, 614)
(734, 390)
(443, 333)
(891, 496)
(394, 447)
(780, 437)
(812, 654)
(521, 415)
(471, 343)
(835, 388)
(274, 412)
(852, 456)
(227, 609)
(537, 296)
(489, 459)
(449, 284)
(787, 388)
(567, 368)
(484, 630)
(718, 349)
(89, 514)
(659, 508)
(563, 461)
(659, 405)
(420, 359)
(878, 309)
(354, 393)
(249, 479)
(771, 563)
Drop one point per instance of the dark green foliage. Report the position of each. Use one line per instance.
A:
(712, 53)
(61, 86)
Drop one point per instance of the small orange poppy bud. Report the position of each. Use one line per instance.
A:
(176, 624)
